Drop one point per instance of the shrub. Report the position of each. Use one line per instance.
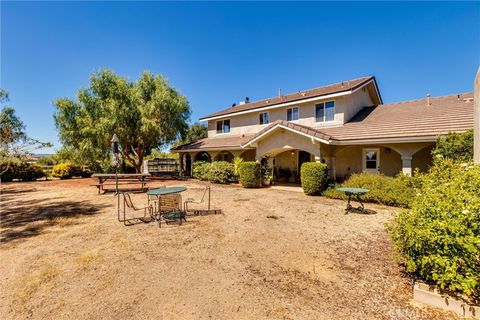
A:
(313, 177)
(23, 171)
(456, 146)
(201, 169)
(398, 191)
(221, 172)
(65, 170)
(439, 239)
(250, 174)
(237, 161)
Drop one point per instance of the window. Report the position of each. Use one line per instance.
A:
(223, 126)
(264, 118)
(292, 114)
(325, 111)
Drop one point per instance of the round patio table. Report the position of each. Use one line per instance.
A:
(159, 192)
(354, 192)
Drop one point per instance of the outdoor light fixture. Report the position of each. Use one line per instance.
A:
(292, 153)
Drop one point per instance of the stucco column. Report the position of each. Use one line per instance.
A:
(213, 154)
(407, 164)
(192, 160)
(333, 169)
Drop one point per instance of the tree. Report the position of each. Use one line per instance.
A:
(194, 133)
(145, 114)
(15, 145)
(456, 146)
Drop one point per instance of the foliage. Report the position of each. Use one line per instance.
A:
(250, 174)
(237, 161)
(157, 154)
(221, 172)
(194, 133)
(47, 161)
(455, 146)
(313, 177)
(398, 191)
(438, 240)
(66, 170)
(15, 145)
(144, 114)
(22, 171)
(200, 170)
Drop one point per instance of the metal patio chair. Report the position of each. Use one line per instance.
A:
(170, 209)
(128, 203)
(205, 198)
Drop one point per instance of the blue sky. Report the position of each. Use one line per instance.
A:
(217, 53)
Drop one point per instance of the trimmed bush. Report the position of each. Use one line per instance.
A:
(221, 172)
(200, 170)
(250, 173)
(439, 239)
(65, 170)
(456, 146)
(23, 171)
(313, 176)
(398, 191)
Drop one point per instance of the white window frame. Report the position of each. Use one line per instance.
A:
(324, 113)
(364, 161)
(223, 126)
(268, 118)
(298, 113)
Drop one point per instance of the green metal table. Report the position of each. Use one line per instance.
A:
(354, 193)
(163, 192)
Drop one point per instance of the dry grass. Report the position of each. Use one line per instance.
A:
(31, 283)
(87, 259)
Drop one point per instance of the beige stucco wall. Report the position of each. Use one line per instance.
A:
(423, 159)
(345, 108)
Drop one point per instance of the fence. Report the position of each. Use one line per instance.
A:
(158, 167)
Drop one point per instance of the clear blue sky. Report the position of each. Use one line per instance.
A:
(218, 53)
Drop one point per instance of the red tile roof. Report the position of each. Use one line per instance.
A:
(301, 95)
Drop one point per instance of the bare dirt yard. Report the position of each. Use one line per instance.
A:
(272, 254)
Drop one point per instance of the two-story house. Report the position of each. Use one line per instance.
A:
(345, 125)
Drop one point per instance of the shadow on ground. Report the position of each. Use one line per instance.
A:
(23, 219)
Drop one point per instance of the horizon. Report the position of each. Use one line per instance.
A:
(49, 50)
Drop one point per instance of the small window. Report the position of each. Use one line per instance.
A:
(325, 111)
(223, 126)
(292, 114)
(264, 118)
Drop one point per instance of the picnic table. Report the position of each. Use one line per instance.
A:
(106, 181)
(354, 193)
(165, 191)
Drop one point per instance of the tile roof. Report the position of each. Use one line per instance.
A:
(226, 142)
(409, 119)
(329, 89)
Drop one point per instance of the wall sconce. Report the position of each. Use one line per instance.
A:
(292, 152)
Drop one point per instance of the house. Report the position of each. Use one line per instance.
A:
(345, 125)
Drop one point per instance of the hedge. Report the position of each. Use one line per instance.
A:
(200, 170)
(313, 176)
(221, 172)
(398, 191)
(22, 171)
(250, 173)
(66, 170)
(438, 240)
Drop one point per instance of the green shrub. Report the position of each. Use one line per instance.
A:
(456, 146)
(237, 161)
(438, 240)
(250, 174)
(398, 191)
(313, 176)
(65, 170)
(200, 170)
(221, 172)
(22, 171)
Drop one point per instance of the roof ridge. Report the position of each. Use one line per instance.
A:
(419, 99)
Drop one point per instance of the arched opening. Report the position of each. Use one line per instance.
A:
(203, 156)
(187, 160)
(224, 156)
(287, 164)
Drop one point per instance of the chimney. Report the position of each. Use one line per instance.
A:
(247, 99)
(280, 92)
(458, 97)
(428, 100)
(233, 105)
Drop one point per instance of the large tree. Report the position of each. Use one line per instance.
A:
(194, 133)
(144, 114)
(15, 144)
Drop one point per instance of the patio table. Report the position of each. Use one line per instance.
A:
(354, 193)
(159, 192)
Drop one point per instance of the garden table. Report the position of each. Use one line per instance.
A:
(356, 193)
(159, 192)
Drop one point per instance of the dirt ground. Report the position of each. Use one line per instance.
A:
(272, 254)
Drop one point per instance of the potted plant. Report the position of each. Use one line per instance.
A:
(266, 175)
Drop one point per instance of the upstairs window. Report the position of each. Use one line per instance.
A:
(292, 114)
(264, 118)
(325, 111)
(223, 126)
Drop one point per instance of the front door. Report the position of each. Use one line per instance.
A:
(302, 157)
(371, 160)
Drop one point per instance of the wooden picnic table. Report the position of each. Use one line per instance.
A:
(354, 192)
(123, 179)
